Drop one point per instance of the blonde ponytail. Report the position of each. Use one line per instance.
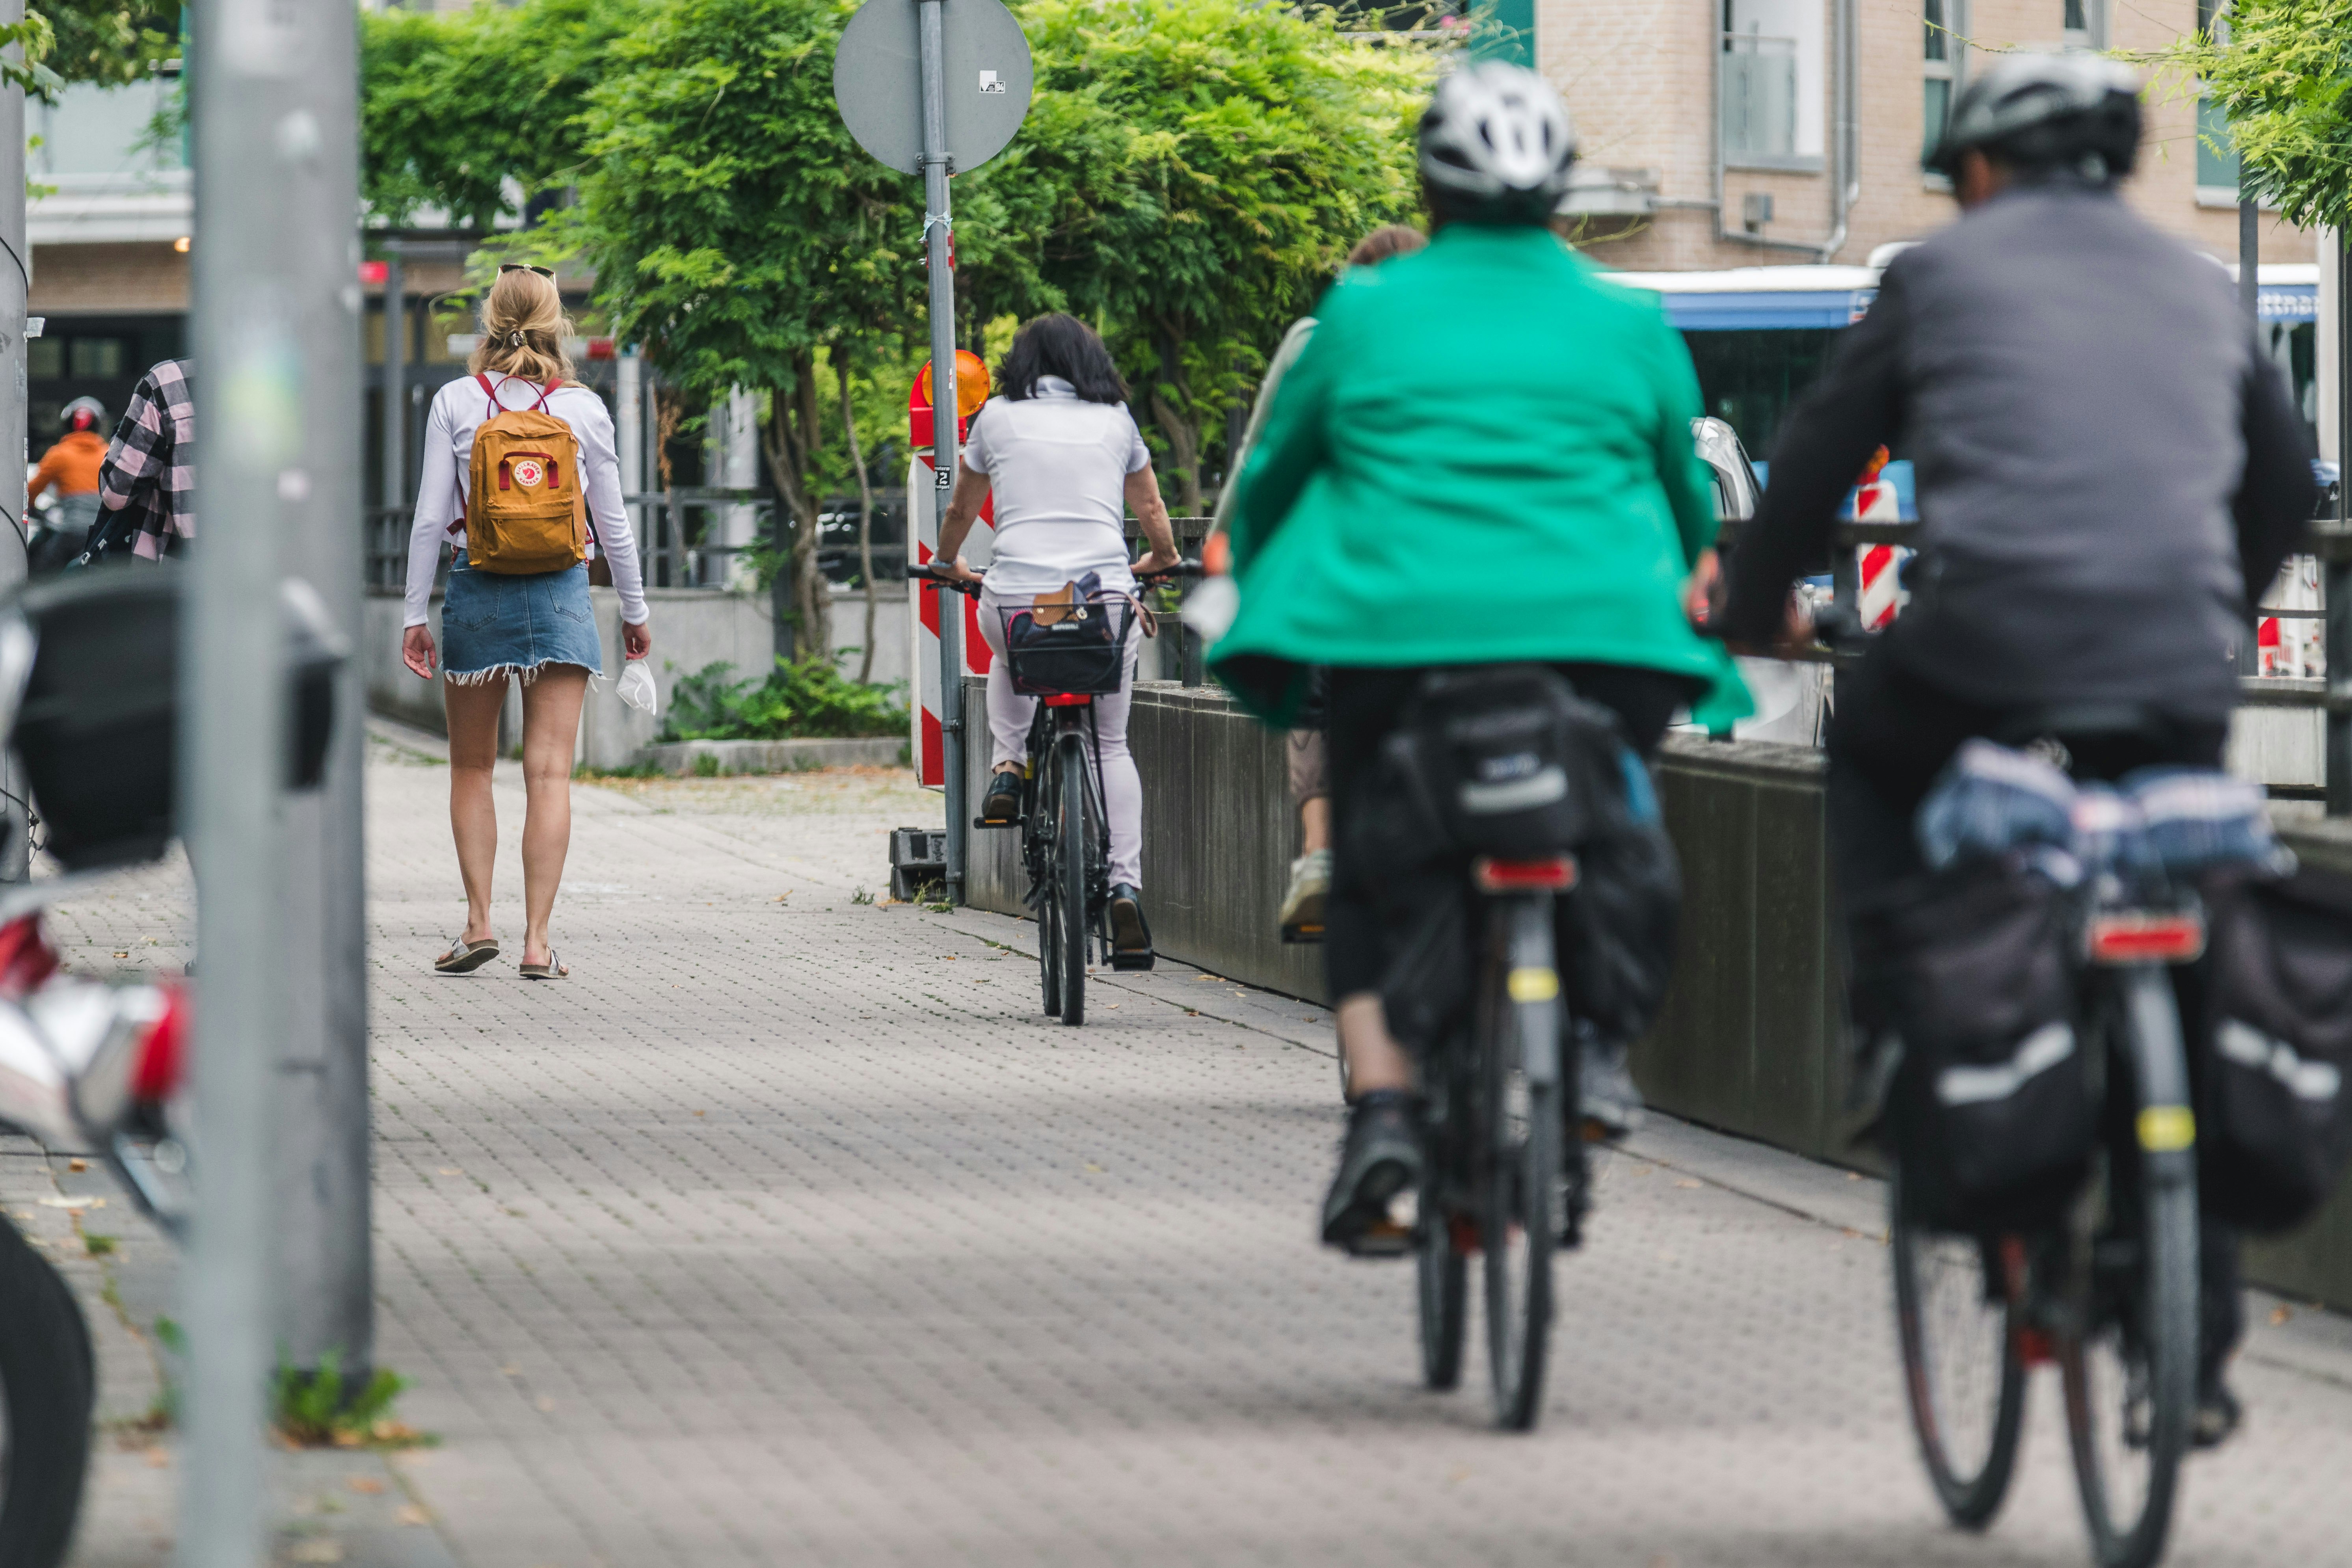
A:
(523, 328)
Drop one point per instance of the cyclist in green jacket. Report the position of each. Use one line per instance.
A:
(1483, 457)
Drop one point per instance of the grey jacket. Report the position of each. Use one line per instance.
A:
(2105, 459)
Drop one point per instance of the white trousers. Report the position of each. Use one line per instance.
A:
(1008, 715)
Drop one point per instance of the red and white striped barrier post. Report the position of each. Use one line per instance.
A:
(927, 739)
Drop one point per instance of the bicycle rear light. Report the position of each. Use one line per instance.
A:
(2137, 936)
(1066, 698)
(162, 1052)
(1549, 873)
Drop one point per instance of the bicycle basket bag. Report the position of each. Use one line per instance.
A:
(1506, 759)
(2273, 1129)
(98, 725)
(1990, 1111)
(1074, 641)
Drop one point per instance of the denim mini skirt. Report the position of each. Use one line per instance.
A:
(495, 624)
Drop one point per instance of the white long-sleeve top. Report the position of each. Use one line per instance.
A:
(460, 406)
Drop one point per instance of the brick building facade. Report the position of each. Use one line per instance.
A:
(1714, 130)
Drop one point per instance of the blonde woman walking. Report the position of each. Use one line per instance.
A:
(536, 627)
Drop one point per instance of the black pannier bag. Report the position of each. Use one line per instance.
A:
(1508, 761)
(2273, 1129)
(1077, 646)
(98, 726)
(1990, 1109)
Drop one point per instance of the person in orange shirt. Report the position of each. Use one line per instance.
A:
(72, 467)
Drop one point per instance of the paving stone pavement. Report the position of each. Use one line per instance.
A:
(788, 1231)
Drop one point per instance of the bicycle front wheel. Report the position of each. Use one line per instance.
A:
(2128, 1353)
(1517, 1046)
(1070, 863)
(1963, 1369)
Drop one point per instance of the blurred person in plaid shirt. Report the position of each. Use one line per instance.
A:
(147, 487)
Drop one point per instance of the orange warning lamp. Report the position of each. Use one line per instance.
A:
(972, 384)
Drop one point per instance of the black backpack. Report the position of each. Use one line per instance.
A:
(1990, 1110)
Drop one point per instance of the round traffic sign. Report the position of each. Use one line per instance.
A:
(878, 80)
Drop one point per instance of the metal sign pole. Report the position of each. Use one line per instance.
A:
(253, 129)
(324, 1282)
(939, 248)
(15, 284)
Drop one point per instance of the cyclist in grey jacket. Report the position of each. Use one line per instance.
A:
(2110, 474)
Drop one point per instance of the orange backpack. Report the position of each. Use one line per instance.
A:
(525, 509)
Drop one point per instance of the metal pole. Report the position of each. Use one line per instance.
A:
(2250, 259)
(395, 378)
(2336, 580)
(629, 430)
(256, 142)
(323, 1289)
(940, 250)
(15, 283)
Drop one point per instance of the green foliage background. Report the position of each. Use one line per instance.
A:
(1190, 174)
(2281, 72)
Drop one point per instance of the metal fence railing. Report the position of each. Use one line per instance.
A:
(2329, 540)
(681, 537)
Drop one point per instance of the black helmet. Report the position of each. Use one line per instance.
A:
(1495, 141)
(2074, 112)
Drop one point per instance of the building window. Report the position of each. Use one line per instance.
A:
(1770, 85)
(1941, 72)
(2217, 160)
(92, 357)
(2084, 23)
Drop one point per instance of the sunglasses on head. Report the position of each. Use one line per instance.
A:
(546, 272)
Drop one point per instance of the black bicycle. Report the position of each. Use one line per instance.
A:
(1067, 653)
(2108, 1294)
(1496, 1181)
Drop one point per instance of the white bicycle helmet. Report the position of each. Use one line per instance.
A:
(1497, 141)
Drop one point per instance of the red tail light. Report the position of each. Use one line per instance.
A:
(1551, 874)
(161, 1060)
(1067, 700)
(2135, 937)
(26, 959)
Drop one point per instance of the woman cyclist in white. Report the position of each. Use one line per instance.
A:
(1060, 450)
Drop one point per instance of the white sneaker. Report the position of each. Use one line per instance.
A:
(1302, 906)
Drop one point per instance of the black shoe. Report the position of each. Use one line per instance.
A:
(2218, 1413)
(1380, 1158)
(1130, 936)
(1002, 800)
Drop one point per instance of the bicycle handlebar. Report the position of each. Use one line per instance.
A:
(925, 573)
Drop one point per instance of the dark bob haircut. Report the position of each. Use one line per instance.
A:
(1060, 345)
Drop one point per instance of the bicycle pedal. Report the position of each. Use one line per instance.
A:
(1132, 961)
(1303, 936)
(1013, 822)
(1387, 1239)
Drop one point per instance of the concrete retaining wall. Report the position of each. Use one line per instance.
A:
(692, 628)
(682, 759)
(1751, 1040)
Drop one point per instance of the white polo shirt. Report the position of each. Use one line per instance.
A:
(1058, 467)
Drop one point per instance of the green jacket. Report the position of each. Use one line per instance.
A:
(1483, 455)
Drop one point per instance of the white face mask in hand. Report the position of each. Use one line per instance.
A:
(637, 686)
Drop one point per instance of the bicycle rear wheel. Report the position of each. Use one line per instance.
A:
(1518, 1050)
(1070, 863)
(2127, 1352)
(1963, 1369)
(1037, 843)
(1443, 1275)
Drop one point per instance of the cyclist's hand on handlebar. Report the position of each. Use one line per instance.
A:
(956, 571)
(1703, 587)
(1158, 561)
(1796, 633)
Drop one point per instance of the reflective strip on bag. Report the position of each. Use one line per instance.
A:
(2037, 1054)
(2241, 1043)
